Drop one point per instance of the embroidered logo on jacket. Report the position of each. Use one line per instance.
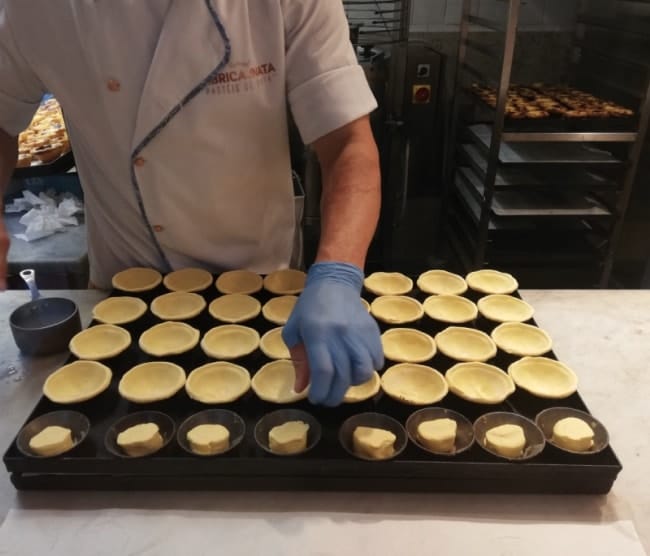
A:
(240, 78)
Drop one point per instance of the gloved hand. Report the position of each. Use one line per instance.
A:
(330, 334)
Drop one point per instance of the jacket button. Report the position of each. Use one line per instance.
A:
(158, 228)
(139, 161)
(113, 85)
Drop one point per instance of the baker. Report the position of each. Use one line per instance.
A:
(177, 113)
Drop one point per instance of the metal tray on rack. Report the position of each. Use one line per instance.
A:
(563, 252)
(517, 177)
(327, 467)
(557, 124)
(542, 153)
(59, 166)
(552, 203)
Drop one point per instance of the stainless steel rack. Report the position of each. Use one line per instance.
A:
(378, 22)
(592, 163)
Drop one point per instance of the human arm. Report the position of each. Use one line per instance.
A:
(20, 94)
(8, 157)
(351, 193)
(333, 340)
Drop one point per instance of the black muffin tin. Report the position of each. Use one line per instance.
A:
(326, 467)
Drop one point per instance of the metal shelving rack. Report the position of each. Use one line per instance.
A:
(525, 196)
(380, 22)
(380, 29)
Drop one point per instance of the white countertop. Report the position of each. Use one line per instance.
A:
(603, 335)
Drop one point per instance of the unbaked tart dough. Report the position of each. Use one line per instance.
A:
(137, 279)
(169, 338)
(492, 282)
(100, 342)
(544, 377)
(388, 283)
(152, 382)
(450, 309)
(285, 282)
(188, 280)
(407, 345)
(273, 346)
(235, 307)
(479, 383)
(51, 441)
(119, 310)
(521, 339)
(275, 382)
(239, 281)
(140, 440)
(218, 382)
(209, 439)
(507, 440)
(441, 282)
(573, 434)
(289, 438)
(365, 391)
(365, 304)
(505, 308)
(373, 443)
(178, 306)
(465, 344)
(438, 435)
(414, 384)
(396, 309)
(230, 341)
(77, 382)
(278, 310)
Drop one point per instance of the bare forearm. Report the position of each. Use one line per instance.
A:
(351, 193)
(8, 156)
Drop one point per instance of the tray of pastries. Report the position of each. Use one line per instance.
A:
(540, 101)
(183, 381)
(44, 147)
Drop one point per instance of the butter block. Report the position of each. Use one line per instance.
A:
(438, 435)
(573, 434)
(373, 443)
(289, 438)
(208, 440)
(140, 440)
(51, 441)
(507, 440)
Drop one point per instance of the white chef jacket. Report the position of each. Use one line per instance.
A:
(176, 110)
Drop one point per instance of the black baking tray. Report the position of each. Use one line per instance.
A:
(327, 467)
(58, 166)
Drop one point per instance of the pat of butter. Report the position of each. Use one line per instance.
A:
(507, 440)
(373, 443)
(140, 440)
(208, 440)
(51, 441)
(573, 434)
(289, 438)
(438, 435)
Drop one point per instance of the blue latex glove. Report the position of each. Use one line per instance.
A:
(331, 336)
